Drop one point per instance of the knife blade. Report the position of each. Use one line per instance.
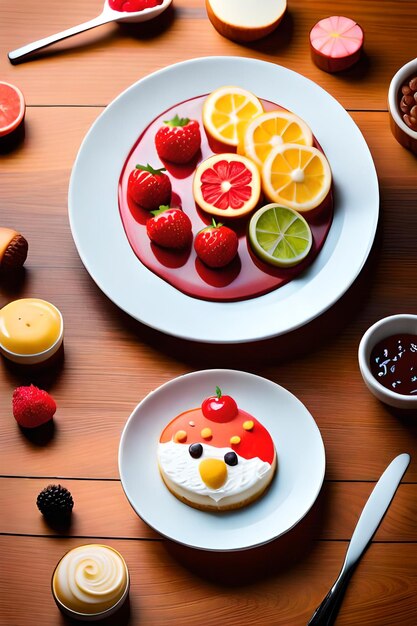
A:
(369, 520)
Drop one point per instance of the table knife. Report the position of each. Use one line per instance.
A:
(371, 517)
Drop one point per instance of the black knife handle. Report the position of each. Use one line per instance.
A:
(326, 612)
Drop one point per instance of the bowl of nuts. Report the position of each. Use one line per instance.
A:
(402, 104)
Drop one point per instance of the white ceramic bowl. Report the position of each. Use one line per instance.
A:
(403, 134)
(386, 327)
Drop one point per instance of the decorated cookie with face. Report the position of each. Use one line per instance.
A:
(217, 456)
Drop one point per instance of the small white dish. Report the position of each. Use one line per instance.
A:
(402, 133)
(386, 327)
(294, 489)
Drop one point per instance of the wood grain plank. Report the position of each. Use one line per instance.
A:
(54, 135)
(112, 362)
(35, 177)
(262, 586)
(102, 510)
(92, 68)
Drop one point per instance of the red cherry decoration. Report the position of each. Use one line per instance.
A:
(219, 408)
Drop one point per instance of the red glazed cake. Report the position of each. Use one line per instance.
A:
(216, 462)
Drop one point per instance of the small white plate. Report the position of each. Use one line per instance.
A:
(105, 251)
(300, 453)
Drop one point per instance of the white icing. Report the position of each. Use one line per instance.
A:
(182, 471)
(90, 578)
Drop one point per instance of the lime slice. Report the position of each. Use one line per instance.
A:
(279, 235)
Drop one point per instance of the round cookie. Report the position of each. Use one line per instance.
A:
(216, 460)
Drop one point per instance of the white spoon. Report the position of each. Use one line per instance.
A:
(107, 15)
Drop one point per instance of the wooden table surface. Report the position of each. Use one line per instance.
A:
(112, 362)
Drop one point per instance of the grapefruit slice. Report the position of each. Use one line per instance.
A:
(273, 129)
(296, 176)
(245, 20)
(227, 184)
(12, 108)
(226, 112)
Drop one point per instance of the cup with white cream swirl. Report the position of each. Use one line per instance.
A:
(90, 582)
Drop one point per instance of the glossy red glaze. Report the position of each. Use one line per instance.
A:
(246, 276)
(253, 443)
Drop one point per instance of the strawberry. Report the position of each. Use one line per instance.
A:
(216, 245)
(149, 187)
(178, 140)
(169, 228)
(32, 407)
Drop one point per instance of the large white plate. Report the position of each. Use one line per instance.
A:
(104, 249)
(300, 452)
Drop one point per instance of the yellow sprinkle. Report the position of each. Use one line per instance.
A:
(180, 436)
(235, 439)
(248, 425)
(206, 433)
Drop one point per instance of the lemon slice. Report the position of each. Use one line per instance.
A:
(296, 176)
(273, 129)
(227, 111)
(279, 235)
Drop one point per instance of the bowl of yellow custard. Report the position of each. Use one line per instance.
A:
(31, 330)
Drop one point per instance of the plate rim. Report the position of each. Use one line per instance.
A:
(241, 374)
(250, 331)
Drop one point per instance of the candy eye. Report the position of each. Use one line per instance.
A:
(230, 458)
(195, 450)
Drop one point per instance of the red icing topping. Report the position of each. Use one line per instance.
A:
(253, 443)
(246, 276)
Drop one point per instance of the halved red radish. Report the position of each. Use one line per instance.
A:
(336, 43)
(227, 184)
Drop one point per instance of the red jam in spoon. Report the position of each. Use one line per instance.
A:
(131, 6)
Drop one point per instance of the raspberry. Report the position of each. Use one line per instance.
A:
(32, 407)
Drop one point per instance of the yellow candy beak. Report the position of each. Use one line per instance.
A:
(213, 472)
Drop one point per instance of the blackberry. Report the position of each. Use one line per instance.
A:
(55, 502)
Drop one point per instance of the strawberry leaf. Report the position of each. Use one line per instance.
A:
(150, 169)
(177, 121)
(162, 209)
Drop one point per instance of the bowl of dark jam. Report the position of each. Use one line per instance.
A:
(388, 360)
(402, 105)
